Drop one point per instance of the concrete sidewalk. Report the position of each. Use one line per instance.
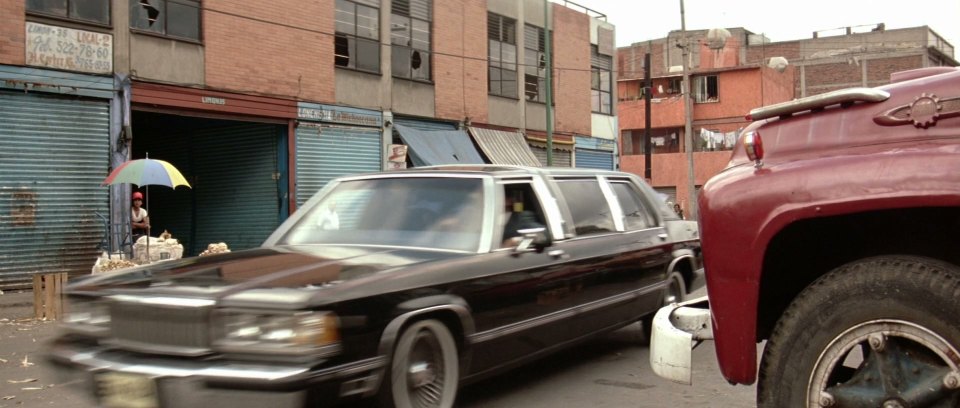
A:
(16, 304)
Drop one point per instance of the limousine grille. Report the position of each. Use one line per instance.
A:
(164, 330)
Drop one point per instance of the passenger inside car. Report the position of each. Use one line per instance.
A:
(521, 211)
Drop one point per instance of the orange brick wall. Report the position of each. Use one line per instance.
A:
(259, 56)
(461, 83)
(728, 56)
(571, 44)
(670, 170)
(12, 32)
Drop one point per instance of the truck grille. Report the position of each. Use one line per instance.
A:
(160, 329)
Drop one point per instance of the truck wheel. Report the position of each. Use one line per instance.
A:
(879, 332)
(424, 370)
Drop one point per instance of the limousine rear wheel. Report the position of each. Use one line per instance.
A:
(424, 370)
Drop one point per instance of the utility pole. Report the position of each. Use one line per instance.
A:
(647, 91)
(549, 80)
(688, 115)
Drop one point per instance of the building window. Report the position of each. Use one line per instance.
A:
(171, 18)
(535, 64)
(502, 38)
(601, 83)
(357, 41)
(705, 89)
(662, 140)
(95, 11)
(410, 36)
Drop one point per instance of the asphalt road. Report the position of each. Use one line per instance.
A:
(611, 371)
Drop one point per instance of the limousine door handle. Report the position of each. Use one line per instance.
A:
(663, 237)
(557, 254)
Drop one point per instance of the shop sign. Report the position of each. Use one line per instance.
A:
(69, 49)
(349, 117)
(397, 159)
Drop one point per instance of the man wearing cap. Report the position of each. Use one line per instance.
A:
(138, 216)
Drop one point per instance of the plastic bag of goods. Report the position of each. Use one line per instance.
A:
(159, 250)
(218, 248)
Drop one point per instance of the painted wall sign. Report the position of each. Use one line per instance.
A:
(69, 49)
(348, 116)
(212, 100)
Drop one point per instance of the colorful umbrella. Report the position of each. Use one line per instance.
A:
(144, 172)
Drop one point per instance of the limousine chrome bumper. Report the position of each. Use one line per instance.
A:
(677, 329)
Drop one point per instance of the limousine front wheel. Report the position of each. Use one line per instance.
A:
(424, 369)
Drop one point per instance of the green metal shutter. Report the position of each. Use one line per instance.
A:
(594, 159)
(236, 194)
(330, 151)
(53, 157)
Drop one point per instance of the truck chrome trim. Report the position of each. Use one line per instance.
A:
(820, 101)
(675, 329)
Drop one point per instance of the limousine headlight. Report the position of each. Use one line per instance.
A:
(284, 333)
(91, 316)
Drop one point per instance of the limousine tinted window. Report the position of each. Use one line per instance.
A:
(589, 209)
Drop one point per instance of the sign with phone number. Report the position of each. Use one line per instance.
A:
(69, 49)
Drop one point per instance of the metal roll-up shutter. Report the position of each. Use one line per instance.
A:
(561, 158)
(236, 192)
(421, 124)
(594, 159)
(330, 151)
(53, 156)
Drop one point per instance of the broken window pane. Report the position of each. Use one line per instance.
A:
(341, 50)
(140, 15)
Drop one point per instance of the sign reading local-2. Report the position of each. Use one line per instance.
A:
(69, 49)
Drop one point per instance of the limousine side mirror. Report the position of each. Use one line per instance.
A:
(536, 238)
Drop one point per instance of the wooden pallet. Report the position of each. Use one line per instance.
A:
(48, 295)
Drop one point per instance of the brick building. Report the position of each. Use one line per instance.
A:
(735, 70)
(260, 104)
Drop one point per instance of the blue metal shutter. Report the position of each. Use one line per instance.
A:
(330, 151)
(420, 124)
(594, 159)
(236, 194)
(53, 157)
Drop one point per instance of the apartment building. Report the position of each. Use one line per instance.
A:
(735, 70)
(260, 104)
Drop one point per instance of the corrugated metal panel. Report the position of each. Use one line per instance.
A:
(509, 148)
(53, 157)
(236, 194)
(330, 151)
(594, 159)
(421, 124)
(561, 158)
(48, 81)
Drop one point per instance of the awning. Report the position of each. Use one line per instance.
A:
(435, 147)
(508, 148)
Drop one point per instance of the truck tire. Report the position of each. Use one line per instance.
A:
(878, 332)
(424, 368)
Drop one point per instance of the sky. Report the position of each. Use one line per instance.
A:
(641, 20)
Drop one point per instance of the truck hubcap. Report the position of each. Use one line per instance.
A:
(886, 363)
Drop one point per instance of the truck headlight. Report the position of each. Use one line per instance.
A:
(91, 316)
(285, 333)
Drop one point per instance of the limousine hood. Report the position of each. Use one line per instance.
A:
(292, 276)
